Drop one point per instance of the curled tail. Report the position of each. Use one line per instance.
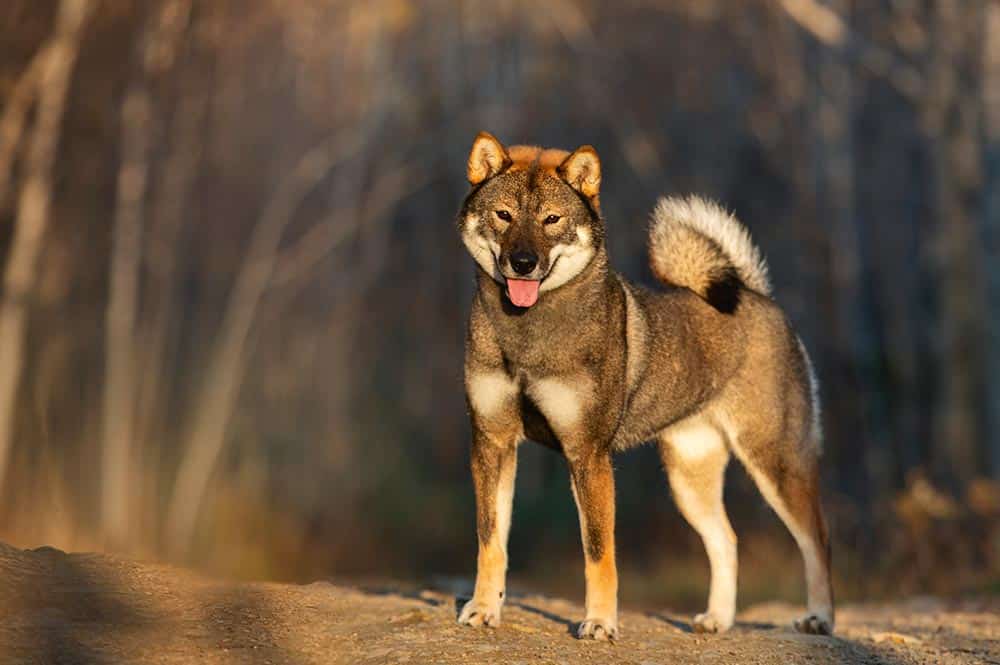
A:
(696, 244)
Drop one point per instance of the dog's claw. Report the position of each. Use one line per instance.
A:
(813, 625)
(598, 629)
(478, 614)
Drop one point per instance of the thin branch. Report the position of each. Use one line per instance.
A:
(326, 235)
(824, 23)
(14, 114)
(832, 30)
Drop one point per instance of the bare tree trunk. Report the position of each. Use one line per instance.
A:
(991, 224)
(33, 209)
(950, 124)
(123, 303)
(217, 397)
(861, 418)
(157, 46)
(158, 337)
(842, 348)
(179, 171)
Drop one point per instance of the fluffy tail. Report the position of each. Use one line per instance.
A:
(696, 244)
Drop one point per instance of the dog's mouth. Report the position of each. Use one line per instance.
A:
(523, 292)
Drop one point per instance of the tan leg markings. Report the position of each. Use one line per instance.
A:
(594, 492)
(495, 498)
(797, 503)
(695, 459)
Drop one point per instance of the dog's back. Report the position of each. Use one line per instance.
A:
(713, 334)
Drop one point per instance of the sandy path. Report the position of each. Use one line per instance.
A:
(95, 609)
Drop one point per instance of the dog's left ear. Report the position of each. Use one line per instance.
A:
(582, 171)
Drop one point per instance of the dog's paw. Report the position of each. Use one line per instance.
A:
(812, 624)
(476, 613)
(706, 622)
(598, 629)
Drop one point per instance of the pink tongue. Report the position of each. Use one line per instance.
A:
(523, 292)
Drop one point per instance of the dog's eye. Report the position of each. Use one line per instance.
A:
(504, 215)
(552, 219)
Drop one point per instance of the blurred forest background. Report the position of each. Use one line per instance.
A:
(233, 298)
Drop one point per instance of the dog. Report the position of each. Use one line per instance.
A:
(563, 351)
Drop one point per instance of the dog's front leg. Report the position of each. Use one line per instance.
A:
(494, 463)
(594, 490)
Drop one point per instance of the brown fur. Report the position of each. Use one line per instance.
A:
(597, 365)
(524, 157)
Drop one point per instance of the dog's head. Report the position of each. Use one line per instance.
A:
(532, 220)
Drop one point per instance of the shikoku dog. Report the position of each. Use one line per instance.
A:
(563, 351)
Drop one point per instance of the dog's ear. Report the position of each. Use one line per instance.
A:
(488, 158)
(582, 171)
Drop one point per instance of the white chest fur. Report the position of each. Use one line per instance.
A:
(561, 400)
(489, 392)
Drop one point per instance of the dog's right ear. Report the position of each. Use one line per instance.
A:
(488, 158)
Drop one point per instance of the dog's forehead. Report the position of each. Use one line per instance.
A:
(540, 168)
(528, 190)
(541, 189)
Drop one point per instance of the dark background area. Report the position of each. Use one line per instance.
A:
(233, 280)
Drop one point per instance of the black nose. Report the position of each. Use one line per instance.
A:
(523, 262)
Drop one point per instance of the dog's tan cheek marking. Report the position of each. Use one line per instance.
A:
(489, 392)
(568, 260)
(482, 249)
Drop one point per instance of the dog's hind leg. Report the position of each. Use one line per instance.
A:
(788, 477)
(695, 458)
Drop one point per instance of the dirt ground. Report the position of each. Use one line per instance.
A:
(95, 609)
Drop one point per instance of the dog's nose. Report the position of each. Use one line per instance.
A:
(523, 262)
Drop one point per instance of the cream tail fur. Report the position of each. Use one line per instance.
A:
(694, 243)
